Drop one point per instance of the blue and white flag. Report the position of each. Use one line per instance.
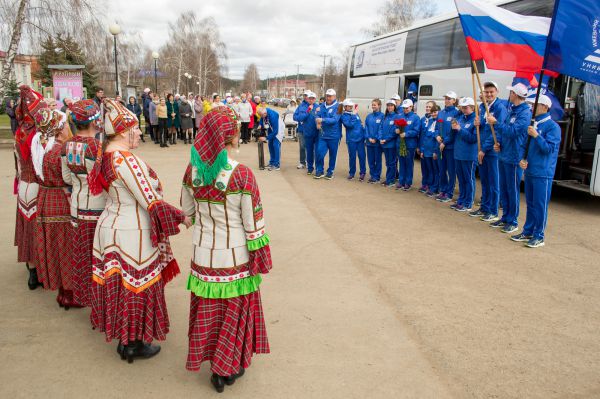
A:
(574, 40)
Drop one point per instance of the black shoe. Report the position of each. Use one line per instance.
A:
(218, 382)
(230, 380)
(33, 281)
(121, 351)
(138, 349)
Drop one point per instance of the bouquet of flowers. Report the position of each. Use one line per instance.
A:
(401, 125)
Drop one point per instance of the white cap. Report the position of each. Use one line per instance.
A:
(543, 99)
(396, 97)
(147, 90)
(520, 89)
(466, 101)
(348, 102)
(227, 94)
(307, 92)
(407, 103)
(330, 92)
(255, 97)
(451, 94)
(390, 102)
(491, 82)
(310, 94)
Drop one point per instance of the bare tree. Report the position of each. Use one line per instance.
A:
(35, 20)
(398, 14)
(251, 79)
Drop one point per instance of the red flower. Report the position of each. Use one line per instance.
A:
(400, 122)
(440, 121)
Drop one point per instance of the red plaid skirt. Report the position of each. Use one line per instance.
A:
(24, 239)
(53, 253)
(124, 315)
(82, 244)
(227, 332)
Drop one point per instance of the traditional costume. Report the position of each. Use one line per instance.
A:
(29, 103)
(79, 155)
(52, 231)
(132, 256)
(230, 252)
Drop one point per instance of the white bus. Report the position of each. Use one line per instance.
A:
(433, 55)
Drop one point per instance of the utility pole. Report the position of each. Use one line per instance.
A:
(297, 74)
(324, 58)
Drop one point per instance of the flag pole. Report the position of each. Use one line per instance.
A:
(537, 97)
(485, 104)
(476, 112)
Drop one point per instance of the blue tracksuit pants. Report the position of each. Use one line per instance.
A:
(490, 185)
(447, 172)
(432, 174)
(356, 149)
(423, 173)
(374, 154)
(274, 152)
(537, 196)
(325, 146)
(407, 167)
(310, 145)
(510, 181)
(465, 171)
(391, 162)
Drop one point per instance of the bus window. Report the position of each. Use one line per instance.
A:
(532, 7)
(434, 46)
(459, 55)
(410, 50)
(426, 90)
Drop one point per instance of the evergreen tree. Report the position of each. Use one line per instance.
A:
(64, 51)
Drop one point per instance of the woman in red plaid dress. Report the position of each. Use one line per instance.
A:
(52, 229)
(79, 155)
(132, 256)
(30, 102)
(231, 251)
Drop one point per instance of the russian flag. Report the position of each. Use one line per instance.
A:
(503, 39)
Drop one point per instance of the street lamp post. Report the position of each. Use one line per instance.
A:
(155, 56)
(115, 29)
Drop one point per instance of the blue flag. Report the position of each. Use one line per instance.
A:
(574, 40)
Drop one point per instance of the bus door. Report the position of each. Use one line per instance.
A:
(391, 88)
(410, 89)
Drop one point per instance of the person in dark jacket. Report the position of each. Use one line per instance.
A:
(11, 107)
(187, 125)
(134, 107)
(539, 171)
(173, 119)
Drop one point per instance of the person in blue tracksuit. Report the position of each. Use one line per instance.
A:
(374, 150)
(487, 157)
(410, 136)
(424, 122)
(446, 140)
(465, 154)
(388, 138)
(511, 137)
(306, 117)
(270, 122)
(355, 140)
(429, 150)
(300, 131)
(539, 172)
(328, 117)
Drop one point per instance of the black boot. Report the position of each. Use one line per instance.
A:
(33, 281)
(230, 380)
(138, 349)
(174, 139)
(218, 382)
(121, 351)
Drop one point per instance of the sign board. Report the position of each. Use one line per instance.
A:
(67, 84)
(380, 56)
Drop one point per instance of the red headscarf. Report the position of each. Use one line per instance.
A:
(30, 102)
(208, 154)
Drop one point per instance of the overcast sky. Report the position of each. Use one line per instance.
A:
(261, 31)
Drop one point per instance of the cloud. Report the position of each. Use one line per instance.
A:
(272, 34)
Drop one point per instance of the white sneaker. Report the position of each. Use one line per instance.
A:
(300, 166)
